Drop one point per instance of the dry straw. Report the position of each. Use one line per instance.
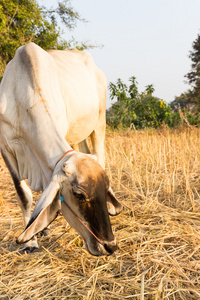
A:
(155, 174)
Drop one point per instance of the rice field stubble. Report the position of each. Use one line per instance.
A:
(156, 175)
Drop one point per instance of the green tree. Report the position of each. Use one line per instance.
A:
(193, 76)
(183, 101)
(22, 21)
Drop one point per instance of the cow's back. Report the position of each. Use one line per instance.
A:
(83, 88)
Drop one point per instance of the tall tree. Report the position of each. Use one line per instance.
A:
(184, 101)
(194, 75)
(22, 21)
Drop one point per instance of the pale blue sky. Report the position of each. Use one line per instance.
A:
(147, 39)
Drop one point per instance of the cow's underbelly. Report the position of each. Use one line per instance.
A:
(81, 129)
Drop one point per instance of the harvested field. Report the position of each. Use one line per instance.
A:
(156, 175)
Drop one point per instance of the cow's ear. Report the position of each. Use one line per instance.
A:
(113, 205)
(45, 211)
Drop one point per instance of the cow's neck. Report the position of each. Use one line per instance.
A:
(36, 139)
(36, 164)
(38, 152)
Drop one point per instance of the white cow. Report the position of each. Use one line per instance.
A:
(49, 101)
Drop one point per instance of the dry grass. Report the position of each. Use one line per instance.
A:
(156, 176)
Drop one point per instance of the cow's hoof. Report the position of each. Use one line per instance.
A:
(28, 250)
(44, 232)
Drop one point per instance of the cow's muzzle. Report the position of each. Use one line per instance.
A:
(110, 247)
(100, 249)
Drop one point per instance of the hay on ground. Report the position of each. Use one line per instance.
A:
(155, 174)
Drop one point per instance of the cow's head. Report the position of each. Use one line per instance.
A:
(87, 202)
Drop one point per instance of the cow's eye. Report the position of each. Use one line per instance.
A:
(79, 196)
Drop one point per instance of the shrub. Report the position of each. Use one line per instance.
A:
(138, 110)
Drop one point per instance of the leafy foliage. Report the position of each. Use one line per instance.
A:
(24, 21)
(67, 14)
(137, 110)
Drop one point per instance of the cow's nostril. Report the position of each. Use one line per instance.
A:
(110, 246)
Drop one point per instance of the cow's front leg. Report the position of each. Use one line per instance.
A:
(25, 199)
(24, 196)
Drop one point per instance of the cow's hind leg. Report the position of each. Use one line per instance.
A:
(82, 147)
(98, 138)
(24, 198)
